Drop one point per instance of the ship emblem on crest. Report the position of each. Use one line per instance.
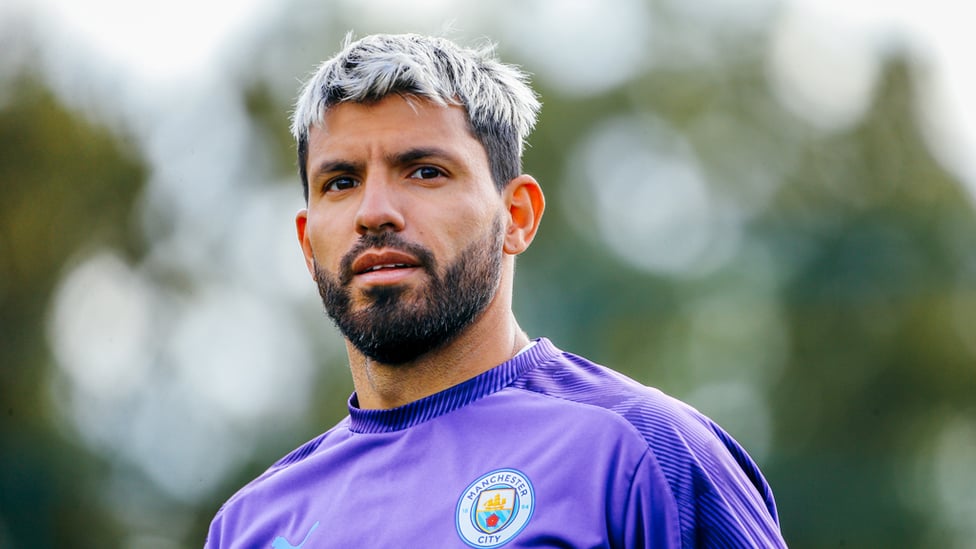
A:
(495, 508)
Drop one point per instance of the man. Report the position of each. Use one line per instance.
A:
(461, 431)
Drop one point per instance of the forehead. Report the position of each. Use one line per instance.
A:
(392, 121)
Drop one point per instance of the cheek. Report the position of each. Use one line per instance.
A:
(326, 248)
(472, 227)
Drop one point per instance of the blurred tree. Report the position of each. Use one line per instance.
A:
(66, 185)
(887, 237)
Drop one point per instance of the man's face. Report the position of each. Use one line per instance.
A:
(404, 227)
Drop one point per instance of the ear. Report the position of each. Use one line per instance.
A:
(525, 202)
(301, 226)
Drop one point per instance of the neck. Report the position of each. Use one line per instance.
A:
(491, 340)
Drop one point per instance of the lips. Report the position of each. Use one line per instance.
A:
(375, 261)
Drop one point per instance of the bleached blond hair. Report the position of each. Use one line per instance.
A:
(501, 107)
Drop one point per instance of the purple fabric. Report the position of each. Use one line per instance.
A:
(545, 450)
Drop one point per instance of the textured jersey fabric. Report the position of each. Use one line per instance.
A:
(545, 450)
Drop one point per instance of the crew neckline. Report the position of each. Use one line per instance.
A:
(450, 399)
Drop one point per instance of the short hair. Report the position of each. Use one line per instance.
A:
(500, 106)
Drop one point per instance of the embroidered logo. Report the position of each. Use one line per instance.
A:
(282, 543)
(493, 509)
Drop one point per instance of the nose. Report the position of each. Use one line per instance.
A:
(379, 208)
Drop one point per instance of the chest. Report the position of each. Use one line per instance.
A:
(481, 480)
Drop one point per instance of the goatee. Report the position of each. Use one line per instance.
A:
(400, 324)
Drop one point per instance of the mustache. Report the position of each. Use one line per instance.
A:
(386, 239)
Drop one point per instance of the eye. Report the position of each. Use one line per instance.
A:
(340, 184)
(426, 172)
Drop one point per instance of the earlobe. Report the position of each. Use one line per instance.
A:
(301, 227)
(526, 203)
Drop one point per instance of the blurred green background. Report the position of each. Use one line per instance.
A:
(764, 208)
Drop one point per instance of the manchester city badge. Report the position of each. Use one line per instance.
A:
(494, 508)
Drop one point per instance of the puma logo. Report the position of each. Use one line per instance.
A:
(281, 543)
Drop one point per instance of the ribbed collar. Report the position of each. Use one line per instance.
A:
(448, 400)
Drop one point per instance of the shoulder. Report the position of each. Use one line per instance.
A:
(654, 415)
(718, 489)
(258, 487)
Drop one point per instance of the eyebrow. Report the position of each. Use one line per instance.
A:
(397, 159)
(418, 153)
(332, 166)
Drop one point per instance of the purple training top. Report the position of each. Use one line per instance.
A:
(545, 450)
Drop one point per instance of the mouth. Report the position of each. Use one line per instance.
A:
(375, 268)
(384, 266)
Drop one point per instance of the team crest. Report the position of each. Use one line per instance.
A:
(495, 508)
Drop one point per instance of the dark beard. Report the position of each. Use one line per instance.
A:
(394, 329)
